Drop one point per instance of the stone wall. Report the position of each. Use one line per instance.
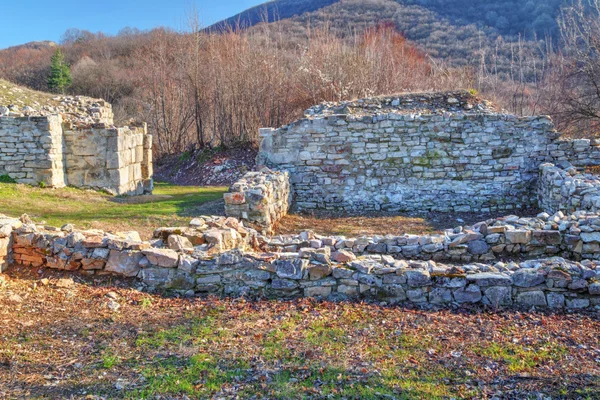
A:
(566, 189)
(220, 256)
(31, 150)
(261, 198)
(118, 160)
(47, 150)
(408, 154)
(578, 152)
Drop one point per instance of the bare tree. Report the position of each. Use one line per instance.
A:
(580, 28)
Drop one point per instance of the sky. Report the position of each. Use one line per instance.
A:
(25, 21)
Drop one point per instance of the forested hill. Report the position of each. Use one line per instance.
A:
(493, 35)
(505, 17)
(271, 11)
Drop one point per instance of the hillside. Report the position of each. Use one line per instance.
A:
(40, 45)
(505, 17)
(454, 30)
(19, 96)
(272, 11)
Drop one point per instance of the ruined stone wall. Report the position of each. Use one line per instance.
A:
(47, 150)
(261, 198)
(219, 256)
(118, 160)
(31, 150)
(578, 152)
(399, 161)
(567, 189)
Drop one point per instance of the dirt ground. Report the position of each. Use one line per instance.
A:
(100, 337)
(382, 223)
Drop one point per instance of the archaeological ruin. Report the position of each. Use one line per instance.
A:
(442, 152)
(80, 148)
(448, 152)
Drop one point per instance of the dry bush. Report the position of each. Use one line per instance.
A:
(206, 89)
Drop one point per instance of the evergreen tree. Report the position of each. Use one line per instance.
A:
(60, 73)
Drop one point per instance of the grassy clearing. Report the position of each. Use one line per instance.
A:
(66, 343)
(168, 206)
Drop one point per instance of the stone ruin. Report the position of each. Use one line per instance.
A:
(220, 256)
(75, 144)
(550, 260)
(447, 152)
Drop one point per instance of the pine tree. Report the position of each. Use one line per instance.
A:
(60, 73)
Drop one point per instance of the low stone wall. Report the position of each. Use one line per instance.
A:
(261, 198)
(568, 190)
(220, 256)
(578, 152)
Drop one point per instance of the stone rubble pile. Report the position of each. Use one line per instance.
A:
(220, 256)
(436, 103)
(261, 198)
(79, 110)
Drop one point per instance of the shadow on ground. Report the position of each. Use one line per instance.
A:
(67, 342)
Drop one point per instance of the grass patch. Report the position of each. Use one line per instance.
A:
(199, 329)
(197, 376)
(518, 358)
(168, 206)
(330, 339)
(11, 93)
(6, 179)
(110, 360)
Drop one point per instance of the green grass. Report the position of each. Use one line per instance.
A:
(518, 358)
(198, 329)
(199, 375)
(109, 360)
(168, 206)
(6, 179)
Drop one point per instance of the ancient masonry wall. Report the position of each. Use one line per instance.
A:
(44, 150)
(578, 152)
(261, 198)
(220, 256)
(115, 159)
(465, 161)
(566, 189)
(31, 150)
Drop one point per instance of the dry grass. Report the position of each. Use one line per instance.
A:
(11, 93)
(67, 343)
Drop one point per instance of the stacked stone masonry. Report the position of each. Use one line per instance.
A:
(57, 150)
(566, 189)
(261, 198)
(389, 156)
(418, 152)
(217, 255)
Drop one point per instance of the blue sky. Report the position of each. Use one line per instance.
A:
(28, 20)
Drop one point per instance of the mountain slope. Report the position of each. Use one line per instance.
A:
(41, 45)
(463, 32)
(270, 12)
(507, 17)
